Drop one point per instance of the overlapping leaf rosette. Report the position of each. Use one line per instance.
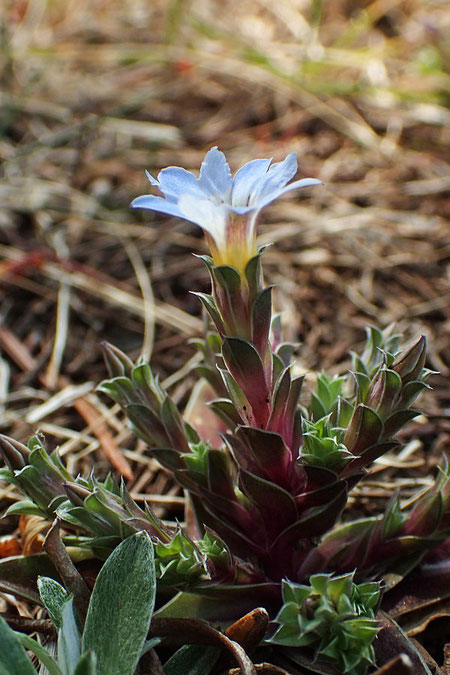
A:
(268, 496)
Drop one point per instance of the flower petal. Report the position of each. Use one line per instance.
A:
(287, 167)
(246, 179)
(276, 178)
(242, 210)
(296, 185)
(215, 176)
(210, 217)
(151, 180)
(175, 181)
(157, 204)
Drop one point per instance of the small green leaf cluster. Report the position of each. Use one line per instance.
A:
(38, 474)
(373, 403)
(323, 445)
(152, 414)
(179, 559)
(324, 400)
(197, 457)
(388, 381)
(332, 616)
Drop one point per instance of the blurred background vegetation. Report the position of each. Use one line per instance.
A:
(92, 92)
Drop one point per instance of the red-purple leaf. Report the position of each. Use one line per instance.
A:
(341, 550)
(246, 367)
(276, 506)
(364, 430)
(270, 453)
(391, 641)
(261, 318)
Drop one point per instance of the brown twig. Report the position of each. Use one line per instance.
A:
(26, 625)
(72, 579)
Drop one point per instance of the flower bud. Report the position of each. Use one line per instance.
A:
(409, 364)
(13, 453)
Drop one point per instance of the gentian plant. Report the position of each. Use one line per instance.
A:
(269, 483)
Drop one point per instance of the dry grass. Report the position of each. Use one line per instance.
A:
(93, 92)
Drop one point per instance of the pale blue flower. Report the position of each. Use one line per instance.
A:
(225, 207)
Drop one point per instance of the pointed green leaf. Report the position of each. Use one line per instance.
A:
(318, 410)
(426, 514)
(226, 411)
(171, 459)
(229, 300)
(306, 500)
(117, 362)
(49, 665)
(13, 657)
(410, 362)
(87, 665)
(121, 606)
(223, 522)
(229, 278)
(144, 381)
(14, 454)
(120, 389)
(392, 388)
(54, 596)
(374, 341)
(368, 456)
(147, 425)
(384, 391)
(210, 305)
(293, 399)
(192, 660)
(25, 507)
(364, 430)
(394, 518)
(173, 424)
(398, 420)
(253, 274)
(238, 398)
(206, 259)
(411, 391)
(277, 367)
(284, 352)
(362, 382)
(343, 413)
(7, 475)
(280, 395)
(358, 366)
(222, 602)
(68, 639)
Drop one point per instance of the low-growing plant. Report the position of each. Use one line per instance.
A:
(270, 498)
